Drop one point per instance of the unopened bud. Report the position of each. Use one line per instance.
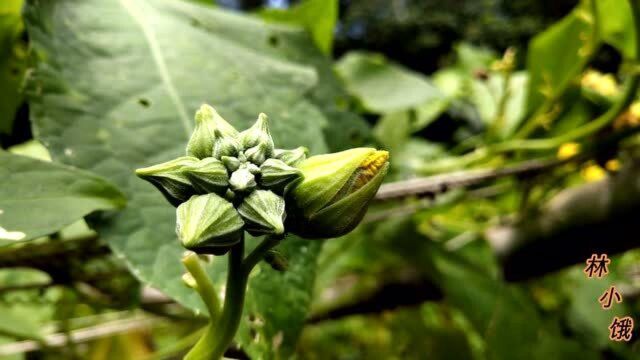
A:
(231, 163)
(263, 213)
(242, 180)
(201, 142)
(257, 154)
(208, 175)
(292, 157)
(169, 178)
(208, 224)
(277, 176)
(336, 191)
(225, 145)
(258, 134)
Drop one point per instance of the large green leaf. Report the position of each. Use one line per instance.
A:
(383, 87)
(115, 90)
(557, 55)
(38, 198)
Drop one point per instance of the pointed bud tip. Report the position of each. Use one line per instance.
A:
(205, 112)
(262, 123)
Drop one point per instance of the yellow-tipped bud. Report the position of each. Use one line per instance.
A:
(336, 191)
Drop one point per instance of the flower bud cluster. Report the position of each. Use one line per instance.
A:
(231, 181)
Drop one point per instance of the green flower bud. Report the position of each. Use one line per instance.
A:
(278, 176)
(169, 178)
(225, 145)
(208, 224)
(232, 164)
(257, 154)
(208, 175)
(292, 157)
(242, 180)
(207, 120)
(253, 168)
(336, 190)
(258, 134)
(263, 213)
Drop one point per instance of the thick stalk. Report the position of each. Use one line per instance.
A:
(217, 337)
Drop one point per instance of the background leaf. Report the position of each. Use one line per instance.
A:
(383, 87)
(319, 17)
(615, 25)
(557, 55)
(51, 197)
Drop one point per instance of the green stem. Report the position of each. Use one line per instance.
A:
(258, 253)
(216, 339)
(204, 286)
(233, 301)
(499, 119)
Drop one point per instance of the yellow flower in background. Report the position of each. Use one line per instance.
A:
(612, 165)
(593, 173)
(629, 118)
(603, 84)
(568, 150)
(634, 114)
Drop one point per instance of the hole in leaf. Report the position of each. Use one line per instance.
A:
(144, 102)
(273, 40)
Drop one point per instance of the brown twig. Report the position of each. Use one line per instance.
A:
(81, 335)
(437, 184)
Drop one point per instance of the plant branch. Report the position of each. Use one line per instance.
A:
(218, 337)
(80, 335)
(437, 184)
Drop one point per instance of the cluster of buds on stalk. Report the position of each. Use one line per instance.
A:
(231, 181)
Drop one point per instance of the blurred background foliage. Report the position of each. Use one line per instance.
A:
(514, 154)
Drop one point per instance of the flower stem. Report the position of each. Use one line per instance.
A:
(258, 253)
(204, 286)
(233, 301)
(218, 336)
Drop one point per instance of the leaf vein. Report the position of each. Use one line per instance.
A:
(138, 16)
